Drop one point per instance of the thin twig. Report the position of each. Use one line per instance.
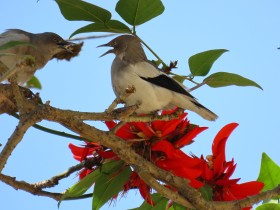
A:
(90, 37)
(22, 185)
(197, 86)
(55, 179)
(153, 52)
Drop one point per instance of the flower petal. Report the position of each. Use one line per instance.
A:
(219, 142)
(164, 146)
(145, 128)
(246, 189)
(189, 136)
(110, 124)
(80, 153)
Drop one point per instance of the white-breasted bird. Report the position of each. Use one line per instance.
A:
(40, 48)
(155, 90)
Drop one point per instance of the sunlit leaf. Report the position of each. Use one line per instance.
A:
(82, 186)
(221, 79)
(137, 12)
(107, 186)
(201, 63)
(34, 83)
(160, 201)
(112, 26)
(179, 78)
(269, 206)
(269, 173)
(81, 10)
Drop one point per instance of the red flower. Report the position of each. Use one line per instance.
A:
(217, 171)
(136, 182)
(159, 142)
(177, 162)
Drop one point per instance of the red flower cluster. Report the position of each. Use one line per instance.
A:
(216, 172)
(160, 142)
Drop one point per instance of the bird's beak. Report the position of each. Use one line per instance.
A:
(66, 46)
(109, 51)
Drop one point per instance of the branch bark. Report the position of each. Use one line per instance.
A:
(28, 187)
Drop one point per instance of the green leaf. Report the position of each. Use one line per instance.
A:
(111, 166)
(80, 10)
(221, 79)
(34, 83)
(269, 173)
(179, 78)
(82, 186)
(206, 192)
(160, 201)
(161, 204)
(112, 26)
(201, 63)
(269, 206)
(14, 44)
(177, 206)
(107, 186)
(137, 12)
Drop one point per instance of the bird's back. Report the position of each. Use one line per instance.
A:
(17, 55)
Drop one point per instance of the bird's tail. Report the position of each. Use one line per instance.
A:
(189, 103)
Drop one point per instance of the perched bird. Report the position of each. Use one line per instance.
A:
(155, 90)
(32, 52)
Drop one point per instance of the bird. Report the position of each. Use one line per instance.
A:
(19, 61)
(154, 90)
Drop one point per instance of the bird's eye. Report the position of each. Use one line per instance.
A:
(114, 44)
(55, 39)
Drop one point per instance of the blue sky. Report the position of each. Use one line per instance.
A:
(248, 29)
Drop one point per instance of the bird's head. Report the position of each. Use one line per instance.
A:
(127, 47)
(53, 43)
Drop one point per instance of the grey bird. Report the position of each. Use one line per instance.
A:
(155, 90)
(42, 47)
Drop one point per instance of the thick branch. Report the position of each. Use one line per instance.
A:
(164, 191)
(15, 138)
(249, 201)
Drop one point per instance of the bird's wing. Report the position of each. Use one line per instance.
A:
(149, 73)
(7, 56)
(13, 35)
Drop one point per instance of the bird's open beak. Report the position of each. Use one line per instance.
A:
(109, 51)
(66, 46)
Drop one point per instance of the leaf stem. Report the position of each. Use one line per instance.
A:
(153, 52)
(197, 86)
(55, 132)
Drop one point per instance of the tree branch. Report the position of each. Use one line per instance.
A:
(23, 125)
(164, 191)
(55, 179)
(22, 185)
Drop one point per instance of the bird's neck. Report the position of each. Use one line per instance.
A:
(133, 54)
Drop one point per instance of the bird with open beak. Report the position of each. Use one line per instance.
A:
(155, 90)
(32, 52)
